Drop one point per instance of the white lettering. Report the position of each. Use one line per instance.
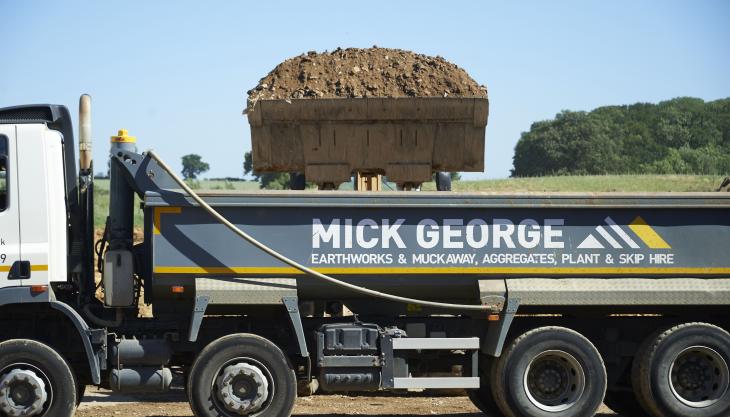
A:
(550, 234)
(391, 233)
(503, 230)
(332, 233)
(528, 233)
(360, 233)
(450, 233)
(483, 233)
(348, 233)
(427, 239)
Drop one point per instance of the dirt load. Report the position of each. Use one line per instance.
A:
(368, 72)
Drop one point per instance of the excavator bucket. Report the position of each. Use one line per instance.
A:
(404, 138)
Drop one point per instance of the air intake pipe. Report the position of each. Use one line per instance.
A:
(85, 155)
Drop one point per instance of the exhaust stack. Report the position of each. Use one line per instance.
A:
(85, 155)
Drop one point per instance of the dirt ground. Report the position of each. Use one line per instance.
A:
(99, 403)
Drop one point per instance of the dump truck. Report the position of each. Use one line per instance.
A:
(536, 304)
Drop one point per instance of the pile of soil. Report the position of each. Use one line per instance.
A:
(369, 72)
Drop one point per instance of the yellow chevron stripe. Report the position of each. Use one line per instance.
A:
(647, 234)
(250, 270)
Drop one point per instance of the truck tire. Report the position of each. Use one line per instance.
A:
(443, 181)
(35, 381)
(683, 372)
(80, 391)
(549, 371)
(297, 181)
(241, 374)
(482, 397)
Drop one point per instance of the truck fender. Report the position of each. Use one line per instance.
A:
(493, 342)
(85, 334)
(23, 295)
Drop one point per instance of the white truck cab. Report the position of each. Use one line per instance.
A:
(32, 206)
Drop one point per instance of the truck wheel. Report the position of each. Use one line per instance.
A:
(35, 381)
(241, 374)
(482, 398)
(549, 371)
(443, 181)
(683, 372)
(297, 181)
(624, 403)
(80, 391)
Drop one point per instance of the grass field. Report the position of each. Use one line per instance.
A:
(593, 183)
(624, 183)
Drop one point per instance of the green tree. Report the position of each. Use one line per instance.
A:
(269, 180)
(193, 166)
(683, 135)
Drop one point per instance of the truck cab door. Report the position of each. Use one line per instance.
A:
(42, 204)
(12, 269)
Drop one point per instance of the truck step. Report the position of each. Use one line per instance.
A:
(436, 343)
(436, 382)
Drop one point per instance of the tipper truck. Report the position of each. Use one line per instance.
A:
(535, 304)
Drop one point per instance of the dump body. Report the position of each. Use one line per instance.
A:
(436, 246)
(404, 138)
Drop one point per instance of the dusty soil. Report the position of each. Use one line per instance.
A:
(368, 72)
(102, 404)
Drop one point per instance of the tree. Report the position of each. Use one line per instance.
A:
(680, 136)
(193, 166)
(269, 180)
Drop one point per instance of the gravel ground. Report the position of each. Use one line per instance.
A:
(100, 403)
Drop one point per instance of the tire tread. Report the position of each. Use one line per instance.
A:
(500, 395)
(642, 366)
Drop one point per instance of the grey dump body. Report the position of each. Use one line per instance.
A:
(572, 248)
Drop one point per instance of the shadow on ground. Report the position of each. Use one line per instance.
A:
(97, 400)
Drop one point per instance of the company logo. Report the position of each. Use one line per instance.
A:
(613, 236)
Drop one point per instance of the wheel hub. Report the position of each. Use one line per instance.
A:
(699, 376)
(554, 381)
(22, 393)
(242, 388)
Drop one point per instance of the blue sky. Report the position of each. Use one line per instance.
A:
(176, 73)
